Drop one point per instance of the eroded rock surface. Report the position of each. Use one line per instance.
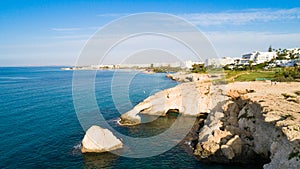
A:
(247, 122)
(190, 99)
(256, 124)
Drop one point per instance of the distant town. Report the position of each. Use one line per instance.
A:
(270, 59)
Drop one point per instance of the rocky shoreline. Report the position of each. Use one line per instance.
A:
(189, 77)
(245, 122)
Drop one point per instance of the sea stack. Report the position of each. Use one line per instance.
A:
(99, 140)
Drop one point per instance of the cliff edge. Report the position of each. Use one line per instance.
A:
(259, 123)
(247, 121)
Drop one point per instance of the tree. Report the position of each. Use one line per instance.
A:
(251, 63)
(198, 68)
(270, 49)
(292, 56)
(285, 51)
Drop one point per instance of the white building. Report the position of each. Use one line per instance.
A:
(174, 64)
(259, 57)
(130, 65)
(109, 66)
(287, 63)
(243, 61)
(265, 57)
(297, 62)
(219, 62)
(293, 51)
(144, 65)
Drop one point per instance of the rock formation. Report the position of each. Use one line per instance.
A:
(99, 140)
(247, 121)
(255, 124)
(190, 99)
(189, 77)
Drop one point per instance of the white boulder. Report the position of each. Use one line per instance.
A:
(98, 140)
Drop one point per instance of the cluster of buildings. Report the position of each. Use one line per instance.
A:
(125, 66)
(246, 59)
(150, 65)
(288, 58)
(257, 57)
(186, 64)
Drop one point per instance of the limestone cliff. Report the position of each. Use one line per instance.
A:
(256, 124)
(188, 99)
(247, 121)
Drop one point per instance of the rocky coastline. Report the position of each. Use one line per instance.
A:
(189, 77)
(241, 123)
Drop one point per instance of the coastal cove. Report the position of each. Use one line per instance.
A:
(40, 128)
(149, 84)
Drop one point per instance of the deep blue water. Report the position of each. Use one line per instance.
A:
(39, 127)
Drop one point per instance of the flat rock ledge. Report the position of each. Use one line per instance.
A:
(99, 140)
(190, 99)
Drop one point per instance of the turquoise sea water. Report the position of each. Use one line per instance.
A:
(39, 127)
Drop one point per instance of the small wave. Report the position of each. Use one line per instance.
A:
(78, 146)
(114, 121)
(187, 143)
(6, 81)
(14, 78)
(76, 150)
(118, 122)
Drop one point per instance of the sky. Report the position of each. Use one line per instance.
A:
(44, 32)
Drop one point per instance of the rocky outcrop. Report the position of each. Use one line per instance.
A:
(222, 140)
(247, 122)
(99, 140)
(256, 124)
(189, 77)
(190, 99)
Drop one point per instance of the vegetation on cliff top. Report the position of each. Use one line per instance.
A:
(166, 69)
(288, 74)
(255, 73)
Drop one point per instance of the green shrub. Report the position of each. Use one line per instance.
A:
(198, 68)
(287, 74)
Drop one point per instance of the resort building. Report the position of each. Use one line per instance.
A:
(219, 62)
(258, 57)
(174, 64)
(287, 63)
(293, 51)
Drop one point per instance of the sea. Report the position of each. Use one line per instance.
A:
(39, 127)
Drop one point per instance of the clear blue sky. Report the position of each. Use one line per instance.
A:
(44, 32)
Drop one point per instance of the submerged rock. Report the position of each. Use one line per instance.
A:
(99, 140)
